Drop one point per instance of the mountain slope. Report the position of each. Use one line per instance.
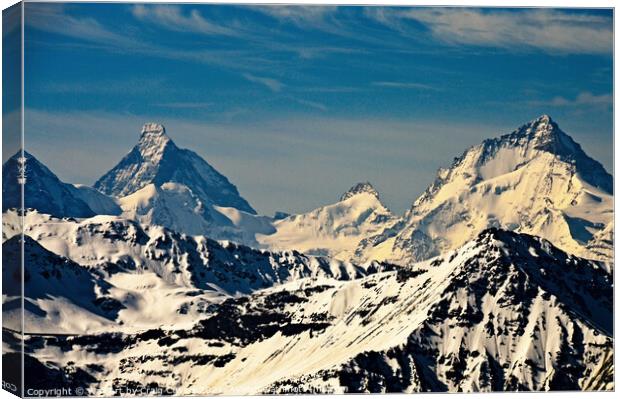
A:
(535, 180)
(58, 293)
(333, 230)
(176, 207)
(100, 203)
(506, 311)
(157, 160)
(514, 313)
(43, 190)
(161, 277)
(171, 205)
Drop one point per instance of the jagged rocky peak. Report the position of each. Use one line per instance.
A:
(544, 128)
(153, 137)
(152, 128)
(544, 122)
(540, 137)
(545, 134)
(540, 134)
(157, 160)
(360, 188)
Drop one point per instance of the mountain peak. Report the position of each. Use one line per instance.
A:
(153, 135)
(43, 190)
(360, 188)
(544, 127)
(152, 128)
(156, 159)
(544, 118)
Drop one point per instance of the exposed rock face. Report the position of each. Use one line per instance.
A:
(360, 188)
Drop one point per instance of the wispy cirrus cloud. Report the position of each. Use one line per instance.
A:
(272, 84)
(582, 99)
(331, 89)
(298, 14)
(185, 105)
(173, 18)
(541, 29)
(52, 18)
(131, 85)
(312, 104)
(404, 85)
(89, 32)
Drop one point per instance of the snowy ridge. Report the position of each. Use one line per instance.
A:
(47, 193)
(360, 188)
(176, 207)
(333, 230)
(171, 205)
(100, 203)
(505, 312)
(132, 259)
(60, 295)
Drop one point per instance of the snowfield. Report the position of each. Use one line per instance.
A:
(334, 230)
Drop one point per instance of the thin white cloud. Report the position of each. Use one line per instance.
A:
(187, 105)
(173, 18)
(272, 84)
(541, 29)
(312, 104)
(582, 99)
(52, 18)
(297, 14)
(124, 86)
(404, 85)
(331, 89)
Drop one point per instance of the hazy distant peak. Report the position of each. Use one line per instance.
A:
(360, 188)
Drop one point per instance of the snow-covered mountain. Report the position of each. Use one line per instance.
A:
(535, 180)
(172, 205)
(506, 311)
(100, 203)
(157, 160)
(334, 230)
(59, 294)
(144, 266)
(175, 206)
(137, 292)
(43, 190)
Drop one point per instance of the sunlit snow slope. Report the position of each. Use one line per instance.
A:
(504, 312)
(535, 180)
(333, 230)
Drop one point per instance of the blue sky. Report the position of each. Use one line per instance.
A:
(296, 104)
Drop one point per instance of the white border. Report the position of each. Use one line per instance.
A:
(488, 3)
